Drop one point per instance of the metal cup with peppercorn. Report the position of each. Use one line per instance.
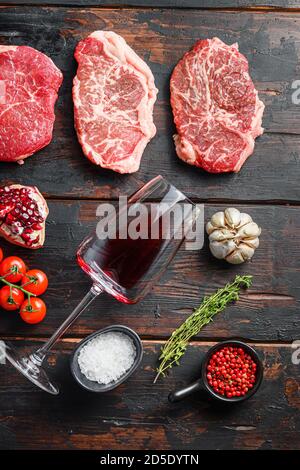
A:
(231, 372)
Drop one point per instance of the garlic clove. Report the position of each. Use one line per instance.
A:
(220, 235)
(233, 217)
(251, 230)
(245, 219)
(235, 257)
(246, 251)
(210, 228)
(221, 250)
(218, 219)
(253, 242)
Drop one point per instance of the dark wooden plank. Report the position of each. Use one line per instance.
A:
(165, 3)
(271, 43)
(267, 311)
(138, 416)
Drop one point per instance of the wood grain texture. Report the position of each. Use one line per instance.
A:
(137, 415)
(271, 42)
(267, 311)
(195, 4)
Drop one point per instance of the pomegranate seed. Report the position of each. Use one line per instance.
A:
(25, 236)
(36, 226)
(9, 219)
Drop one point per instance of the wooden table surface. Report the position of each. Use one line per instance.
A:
(137, 414)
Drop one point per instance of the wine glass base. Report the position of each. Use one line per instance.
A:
(32, 371)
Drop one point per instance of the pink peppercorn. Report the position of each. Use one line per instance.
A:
(231, 372)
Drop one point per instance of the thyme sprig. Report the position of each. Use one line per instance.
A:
(176, 345)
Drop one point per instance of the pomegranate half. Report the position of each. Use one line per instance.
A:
(23, 213)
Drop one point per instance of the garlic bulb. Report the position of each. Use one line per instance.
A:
(233, 235)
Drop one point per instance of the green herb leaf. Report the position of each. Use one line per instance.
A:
(176, 345)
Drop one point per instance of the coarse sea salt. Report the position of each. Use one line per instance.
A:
(108, 356)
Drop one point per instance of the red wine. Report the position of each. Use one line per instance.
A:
(126, 262)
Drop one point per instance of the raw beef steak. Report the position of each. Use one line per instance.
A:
(29, 85)
(113, 95)
(216, 108)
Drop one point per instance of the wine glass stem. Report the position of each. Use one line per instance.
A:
(38, 356)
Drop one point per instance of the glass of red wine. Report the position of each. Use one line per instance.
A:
(124, 259)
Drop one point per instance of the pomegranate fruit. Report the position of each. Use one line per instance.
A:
(23, 213)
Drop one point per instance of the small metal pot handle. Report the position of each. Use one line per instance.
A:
(186, 391)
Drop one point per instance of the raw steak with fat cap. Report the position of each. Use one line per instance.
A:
(114, 95)
(216, 107)
(29, 83)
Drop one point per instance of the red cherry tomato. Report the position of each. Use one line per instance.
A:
(34, 311)
(1, 255)
(12, 269)
(35, 281)
(11, 298)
